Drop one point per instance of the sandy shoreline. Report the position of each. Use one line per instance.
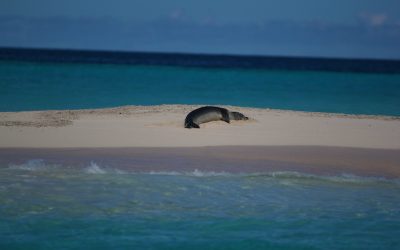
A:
(162, 126)
(152, 138)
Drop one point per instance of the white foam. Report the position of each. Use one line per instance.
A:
(351, 178)
(342, 178)
(160, 173)
(198, 173)
(93, 168)
(32, 165)
(194, 173)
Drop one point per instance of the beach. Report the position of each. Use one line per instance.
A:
(272, 140)
(162, 126)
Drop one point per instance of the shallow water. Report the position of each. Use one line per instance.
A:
(53, 207)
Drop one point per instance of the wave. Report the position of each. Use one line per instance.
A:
(194, 173)
(33, 165)
(94, 168)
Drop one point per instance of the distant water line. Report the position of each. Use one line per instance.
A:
(44, 84)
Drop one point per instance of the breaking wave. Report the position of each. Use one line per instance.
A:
(33, 165)
(96, 168)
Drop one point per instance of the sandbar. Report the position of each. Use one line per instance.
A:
(152, 138)
(162, 126)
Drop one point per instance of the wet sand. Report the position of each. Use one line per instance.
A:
(231, 159)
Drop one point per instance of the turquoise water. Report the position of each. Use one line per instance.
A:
(38, 86)
(56, 207)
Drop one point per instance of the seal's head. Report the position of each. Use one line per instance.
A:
(237, 116)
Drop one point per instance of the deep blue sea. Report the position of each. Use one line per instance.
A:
(50, 206)
(46, 79)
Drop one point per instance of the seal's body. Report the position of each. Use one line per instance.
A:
(210, 113)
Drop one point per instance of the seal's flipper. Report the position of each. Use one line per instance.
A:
(194, 125)
(225, 116)
(191, 125)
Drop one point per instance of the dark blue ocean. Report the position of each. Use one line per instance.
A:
(94, 206)
(46, 79)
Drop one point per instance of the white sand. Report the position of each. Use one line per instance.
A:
(162, 126)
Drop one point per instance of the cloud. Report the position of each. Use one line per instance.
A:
(374, 19)
(176, 14)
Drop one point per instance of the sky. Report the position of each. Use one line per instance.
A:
(317, 28)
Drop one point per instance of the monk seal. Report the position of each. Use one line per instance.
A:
(210, 113)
